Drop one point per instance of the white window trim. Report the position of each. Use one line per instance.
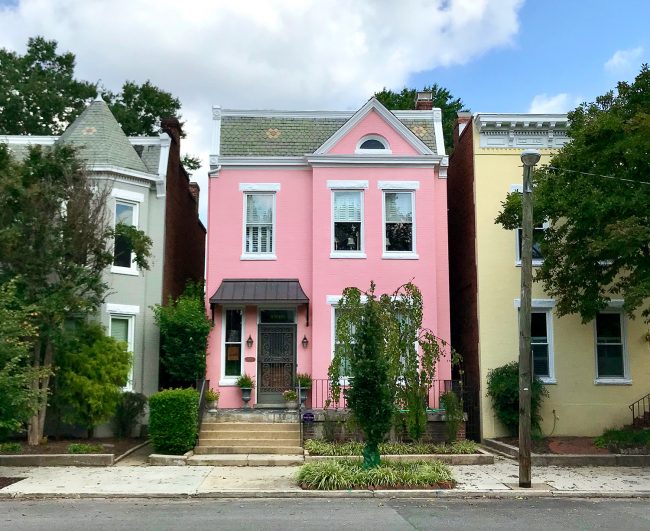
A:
(259, 187)
(408, 186)
(133, 270)
(398, 255)
(536, 261)
(128, 309)
(347, 185)
(343, 380)
(130, 318)
(259, 256)
(386, 151)
(361, 253)
(543, 306)
(127, 195)
(231, 381)
(614, 306)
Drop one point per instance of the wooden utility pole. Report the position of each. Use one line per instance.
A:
(529, 158)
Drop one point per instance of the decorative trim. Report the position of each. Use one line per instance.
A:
(109, 168)
(347, 185)
(145, 140)
(399, 255)
(429, 161)
(260, 256)
(259, 187)
(244, 161)
(398, 185)
(37, 140)
(124, 309)
(537, 303)
(521, 130)
(119, 270)
(161, 184)
(348, 254)
(215, 141)
(127, 195)
(444, 165)
(439, 135)
(333, 300)
(378, 138)
(613, 381)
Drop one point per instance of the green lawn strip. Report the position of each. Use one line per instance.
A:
(346, 449)
(349, 475)
(626, 438)
(81, 448)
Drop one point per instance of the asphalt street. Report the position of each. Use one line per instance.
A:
(316, 514)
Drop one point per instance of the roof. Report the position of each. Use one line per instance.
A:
(259, 290)
(101, 139)
(296, 133)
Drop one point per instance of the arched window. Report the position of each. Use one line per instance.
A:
(373, 144)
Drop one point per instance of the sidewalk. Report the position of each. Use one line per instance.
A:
(134, 478)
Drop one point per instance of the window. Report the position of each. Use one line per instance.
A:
(373, 144)
(232, 333)
(399, 234)
(259, 236)
(610, 347)
(121, 329)
(538, 236)
(345, 362)
(348, 221)
(273, 316)
(541, 338)
(126, 214)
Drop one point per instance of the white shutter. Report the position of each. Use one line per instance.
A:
(347, 206)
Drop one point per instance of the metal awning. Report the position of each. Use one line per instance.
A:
(259, 291)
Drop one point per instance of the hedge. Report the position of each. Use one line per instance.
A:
(173, 418)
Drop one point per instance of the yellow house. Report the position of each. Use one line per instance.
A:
(592, 371)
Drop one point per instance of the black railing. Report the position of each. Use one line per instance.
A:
(320, 395)
(641, 411)
(201, 386)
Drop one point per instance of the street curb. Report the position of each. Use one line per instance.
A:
(130, 451)
(396, 494)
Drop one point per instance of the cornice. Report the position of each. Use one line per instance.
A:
(520, 131)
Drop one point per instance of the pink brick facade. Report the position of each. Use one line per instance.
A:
(303, 189)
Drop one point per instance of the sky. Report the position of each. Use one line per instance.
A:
(496, 55)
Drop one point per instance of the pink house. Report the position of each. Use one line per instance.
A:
(303, 204)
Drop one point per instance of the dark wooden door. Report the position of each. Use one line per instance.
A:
(276, 361)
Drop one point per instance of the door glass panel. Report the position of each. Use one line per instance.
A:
(277, 316)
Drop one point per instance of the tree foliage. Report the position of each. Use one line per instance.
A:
(91, 370)
(442, 98)
(184, 328)
(598, 244)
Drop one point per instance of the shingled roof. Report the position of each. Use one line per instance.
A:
(295, 134)
(101, 139)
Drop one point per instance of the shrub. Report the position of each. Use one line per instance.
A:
(80, 448)
(129, 409)
(350, 449)
(245, 381)
(173, 418)
(10, 448)
(625, 438)
(343, 475)
(453, 414)
(503, 389)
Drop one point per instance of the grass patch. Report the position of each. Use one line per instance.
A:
(346, 449)
(10, 448)
(348, 475)
(80, 448)
(624, 438)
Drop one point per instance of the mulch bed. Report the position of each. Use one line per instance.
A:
(5, 482)
(561, 445)
(111, 446)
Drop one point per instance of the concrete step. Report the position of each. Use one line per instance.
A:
(250, 426)
(245, 460)
(253, 435)
(251, 415)
(251, 443)
(218, 449)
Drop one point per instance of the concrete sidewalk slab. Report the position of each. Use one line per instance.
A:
(224, 479)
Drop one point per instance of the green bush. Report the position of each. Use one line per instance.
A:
(503, 389)
(245, 381)
(343, 475)
(348, 449)
(453, 414)
(10, 448)
(81, 448)
(623, 438)
(173, 418)
(129, 409)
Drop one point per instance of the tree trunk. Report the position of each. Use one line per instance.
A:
(41, 384)
(371, 456)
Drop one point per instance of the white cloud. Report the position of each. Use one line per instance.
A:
(283, 54)
(624, 62)
(559, 103)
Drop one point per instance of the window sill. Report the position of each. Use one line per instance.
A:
(612, 381)
(399, 256)
(548, 381)
(228, 382)
(536, 263)
(348, 254)
(251, 256)
(125, 271)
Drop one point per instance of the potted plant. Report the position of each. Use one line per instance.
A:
(211, 398)
(304, 384)
(291, 398)
(246, 384)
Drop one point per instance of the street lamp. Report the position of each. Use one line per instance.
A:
(529, 158)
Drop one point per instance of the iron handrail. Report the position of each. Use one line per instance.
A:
(635, 408)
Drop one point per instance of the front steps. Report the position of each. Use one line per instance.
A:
(249, 437)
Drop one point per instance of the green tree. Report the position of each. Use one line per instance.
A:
(91, 370)
(55, 242)
(442, 98)
(184, 328)
(598, 243)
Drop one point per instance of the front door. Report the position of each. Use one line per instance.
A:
(276, 356)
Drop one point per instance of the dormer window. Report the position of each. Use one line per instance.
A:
(373, 145)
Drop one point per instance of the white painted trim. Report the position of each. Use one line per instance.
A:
(543, 306)
(146, 140)
(613, 381)
(398, 255)
(347, 185)
(439, 135)
(271, 113)
(615, 307)
(385, 151)
(333, 300)
(427, 161)
(130, 334)
(232, 161)
(398, 185)
(231, 380)
(27, 140)
(124, 309)
(163, 164)
(444, 166)
(109, 168)
(348, 254)
(374, 105)
(259, 187)
(526, 120)
(119, 270)
(259, 256)
(133, 270)
(127, 195)
(537, 303)
(361, 253)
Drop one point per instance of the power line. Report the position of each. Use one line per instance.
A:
(599, 175)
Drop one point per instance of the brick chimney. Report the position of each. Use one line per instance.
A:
(463, 118)
(172, 127)
(424, 101)
(195, 191)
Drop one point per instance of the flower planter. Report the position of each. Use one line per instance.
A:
(246, 395)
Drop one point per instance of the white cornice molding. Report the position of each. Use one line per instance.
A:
(124, 309)
(269, 113)
(512, 120)
(41, 140)
(521, 131)
(215, 141)
(444, 166)
(145, 140)
(163, 164)
(244, 161)
(127, 195)
(391, 119)
(374, 160)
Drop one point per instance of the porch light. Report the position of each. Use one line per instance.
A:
(249, 341)
(305, 342)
